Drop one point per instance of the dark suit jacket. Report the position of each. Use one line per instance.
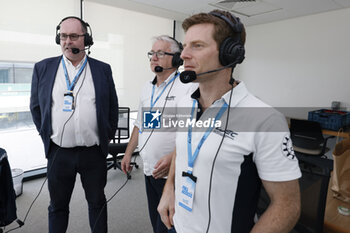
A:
(8, 211)
(106, 99)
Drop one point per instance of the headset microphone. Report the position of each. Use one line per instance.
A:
(159, 69)
(76, 50)
(190, 76)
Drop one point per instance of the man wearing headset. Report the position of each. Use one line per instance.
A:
(156, 146)
(215, 178)
(74, 107)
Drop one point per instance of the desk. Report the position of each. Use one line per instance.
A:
(333, 221)
(343, 134)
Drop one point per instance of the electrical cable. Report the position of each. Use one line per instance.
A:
(216, 155)
(105, 204)
(21, 223)
(166, 99)
(143, 146)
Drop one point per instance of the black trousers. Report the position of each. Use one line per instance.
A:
(62, 168)
(154, 189)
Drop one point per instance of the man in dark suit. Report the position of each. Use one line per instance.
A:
(74, 107)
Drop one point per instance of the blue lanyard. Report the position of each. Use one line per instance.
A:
(192, 157)
(160, 94)
(71, 86)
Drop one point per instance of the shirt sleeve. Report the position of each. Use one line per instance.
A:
(274, 155)
(138, 121)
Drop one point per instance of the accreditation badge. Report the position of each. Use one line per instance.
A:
(68, 101)
(187, 192)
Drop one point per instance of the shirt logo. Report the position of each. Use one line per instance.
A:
(170, 98)
(151, 119)
(228, 133)
(287, 148)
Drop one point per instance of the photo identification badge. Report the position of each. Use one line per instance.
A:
(68, 101)
(188, 187)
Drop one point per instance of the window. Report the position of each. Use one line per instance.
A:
(24, 38)
(15, 79)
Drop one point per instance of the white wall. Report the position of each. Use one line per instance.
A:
(301, 62)
(122, 39)
(179, 32)
(27, 28)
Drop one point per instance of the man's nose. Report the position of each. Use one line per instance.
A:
(185, 53)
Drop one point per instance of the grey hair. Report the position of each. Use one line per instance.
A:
(174, 46)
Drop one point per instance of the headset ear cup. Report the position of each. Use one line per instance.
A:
(88, 40)
(230, 52)
(223, 52)
(58, 40)
(176, 61)
(239, 53)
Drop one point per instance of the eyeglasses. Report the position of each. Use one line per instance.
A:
(159, 54)
(72, 37)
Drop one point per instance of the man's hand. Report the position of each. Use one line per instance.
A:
(166, 207)
(161, 168)
(125, 164)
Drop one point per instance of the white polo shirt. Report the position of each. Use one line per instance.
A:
(257, 146)
(162, 141)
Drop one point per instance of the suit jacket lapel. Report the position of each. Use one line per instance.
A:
(52, 70)
(95, 72)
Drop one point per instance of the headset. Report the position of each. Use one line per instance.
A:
(177, 61)
(88, 41)
(20, 222)
(231, 49)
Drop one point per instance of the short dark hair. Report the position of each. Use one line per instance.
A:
(221, 29)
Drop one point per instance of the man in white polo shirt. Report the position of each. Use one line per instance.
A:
(157, 145)
(215, 178)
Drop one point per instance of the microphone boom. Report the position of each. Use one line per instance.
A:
(76, 50)
(190, 75)
(159, 69)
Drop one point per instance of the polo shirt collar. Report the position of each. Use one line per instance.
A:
(239, 92)
(69, 63)
(154, 81)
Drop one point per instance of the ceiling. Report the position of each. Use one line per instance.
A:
(251, 12)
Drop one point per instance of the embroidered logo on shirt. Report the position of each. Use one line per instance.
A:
(287, 148)
(228, 133)
(170, 98)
